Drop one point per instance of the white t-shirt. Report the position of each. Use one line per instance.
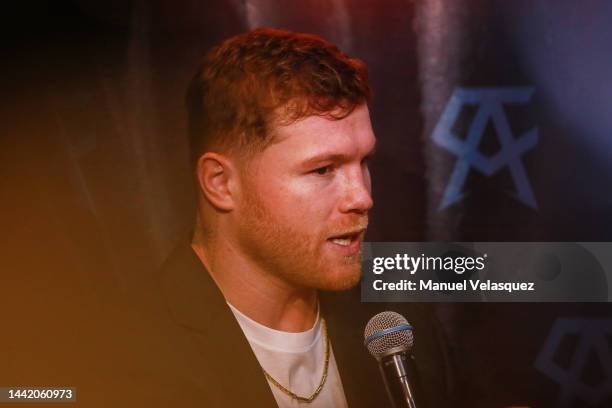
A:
(296, 361)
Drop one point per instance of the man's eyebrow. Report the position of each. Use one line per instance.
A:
(334, 157)
(325, 156)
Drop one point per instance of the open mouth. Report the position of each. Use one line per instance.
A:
(347, 238)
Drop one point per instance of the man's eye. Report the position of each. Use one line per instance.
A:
(323, 170)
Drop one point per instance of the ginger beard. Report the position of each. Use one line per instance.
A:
(296, 251)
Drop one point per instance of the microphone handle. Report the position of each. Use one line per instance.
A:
(395, 374)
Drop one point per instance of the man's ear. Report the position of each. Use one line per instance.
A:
(217, 180)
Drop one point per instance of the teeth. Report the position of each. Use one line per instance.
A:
(341, 241)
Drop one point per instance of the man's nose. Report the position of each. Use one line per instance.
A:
(358, 192)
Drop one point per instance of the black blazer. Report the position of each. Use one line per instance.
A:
(215, 363)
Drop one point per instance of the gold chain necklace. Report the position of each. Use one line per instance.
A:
(323, 377)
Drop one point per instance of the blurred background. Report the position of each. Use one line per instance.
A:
(493, 119)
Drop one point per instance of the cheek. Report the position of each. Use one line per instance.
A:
(302, 208)
(317, 198)
(297, 206)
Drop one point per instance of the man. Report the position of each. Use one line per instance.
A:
(280, 137)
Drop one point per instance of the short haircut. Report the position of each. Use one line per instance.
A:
(267, 77)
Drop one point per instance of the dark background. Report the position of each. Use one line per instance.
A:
(96, 186)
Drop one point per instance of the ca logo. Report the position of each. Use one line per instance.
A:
(489, 102)
(592, 341)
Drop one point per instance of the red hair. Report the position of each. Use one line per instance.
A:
(267, 77)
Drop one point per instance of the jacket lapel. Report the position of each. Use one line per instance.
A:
(230, 374)
(346, 318)
(225, 357)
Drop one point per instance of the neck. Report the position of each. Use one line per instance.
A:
(255, 292)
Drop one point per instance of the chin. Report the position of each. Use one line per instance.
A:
(344, 280)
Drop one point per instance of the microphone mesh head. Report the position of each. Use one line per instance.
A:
(398, 341)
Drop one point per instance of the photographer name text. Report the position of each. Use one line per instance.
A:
(460, 286)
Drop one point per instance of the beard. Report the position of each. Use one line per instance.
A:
(294, 251)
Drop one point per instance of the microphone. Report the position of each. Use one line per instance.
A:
(388, 337)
